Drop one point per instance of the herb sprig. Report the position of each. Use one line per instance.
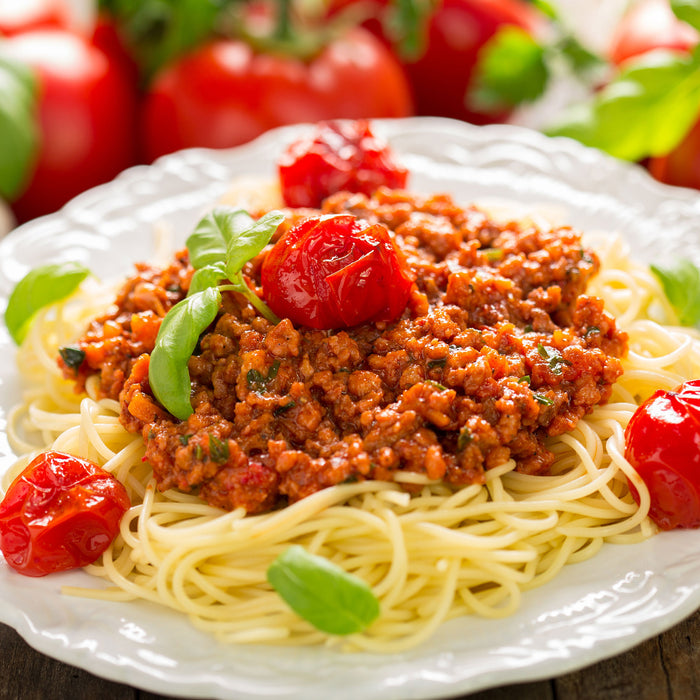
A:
(220, 246)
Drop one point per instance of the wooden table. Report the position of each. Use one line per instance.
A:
(664, 668)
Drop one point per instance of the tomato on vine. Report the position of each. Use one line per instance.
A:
(227, 91)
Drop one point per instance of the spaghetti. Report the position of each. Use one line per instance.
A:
(438, 553)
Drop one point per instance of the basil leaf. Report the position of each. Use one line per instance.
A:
(41, 287)
(177, 338)
(681, 285)
(406, 24)
(553, 357)
(218, 449)
(546, 8)
(687, 11)
(322, 593)
(208, 243)
(579, 57)
(207, 276)
(247, 241)
(156, 31)
(646, 111)
(542, 399)
(511, 70)
(19, 137)
(72, 355)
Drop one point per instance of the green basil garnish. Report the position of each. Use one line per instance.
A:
(221, 244)
(553, 357)
(465, 437)
(218, 449)
(207, 276)
(41, 287)
(282, 409)
(436, 385)
(72, 356)
(542, 399)
(322, 593)
(681, 285)
(179, 332)
(439, 362)
(257, 381)
(493, 254)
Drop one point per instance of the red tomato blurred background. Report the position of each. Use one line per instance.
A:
(98, 85)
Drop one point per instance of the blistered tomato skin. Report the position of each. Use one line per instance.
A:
(337, 156)
(336, 272)
(60, 513)
(662, 442)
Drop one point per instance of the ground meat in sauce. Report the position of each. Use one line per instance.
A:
(498, 348)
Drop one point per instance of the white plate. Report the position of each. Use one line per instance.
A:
(592, 610)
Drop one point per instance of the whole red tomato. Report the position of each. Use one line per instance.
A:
(18, 16)
(224, 93)
(456, 32)
(344, 155)
(440, 75)
(335, 272)
(650, 25)
(662, 443)
(60, 513)
(86, 118)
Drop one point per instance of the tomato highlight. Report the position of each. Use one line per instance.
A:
(60, 513)
(335, 272)
(662, 443)
(337, 156)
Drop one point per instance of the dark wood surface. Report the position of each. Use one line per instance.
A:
(664, 668)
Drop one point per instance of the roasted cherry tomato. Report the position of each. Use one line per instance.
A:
(337, 156)
(60, 513)
(663, 445)
(335, 272)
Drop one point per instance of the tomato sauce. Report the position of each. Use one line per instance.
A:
(498, 348)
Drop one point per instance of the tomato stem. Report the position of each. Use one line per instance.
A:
(283, 30)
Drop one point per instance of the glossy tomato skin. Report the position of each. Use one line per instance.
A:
(336, 272)
(649, 25)
(662, 443)
(457, 31)
(224, 93)
(86, 118)
(337, 156)
(60, 513)
(19, 16)
(681, 166)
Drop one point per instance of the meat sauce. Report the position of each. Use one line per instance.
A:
(498, 348)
